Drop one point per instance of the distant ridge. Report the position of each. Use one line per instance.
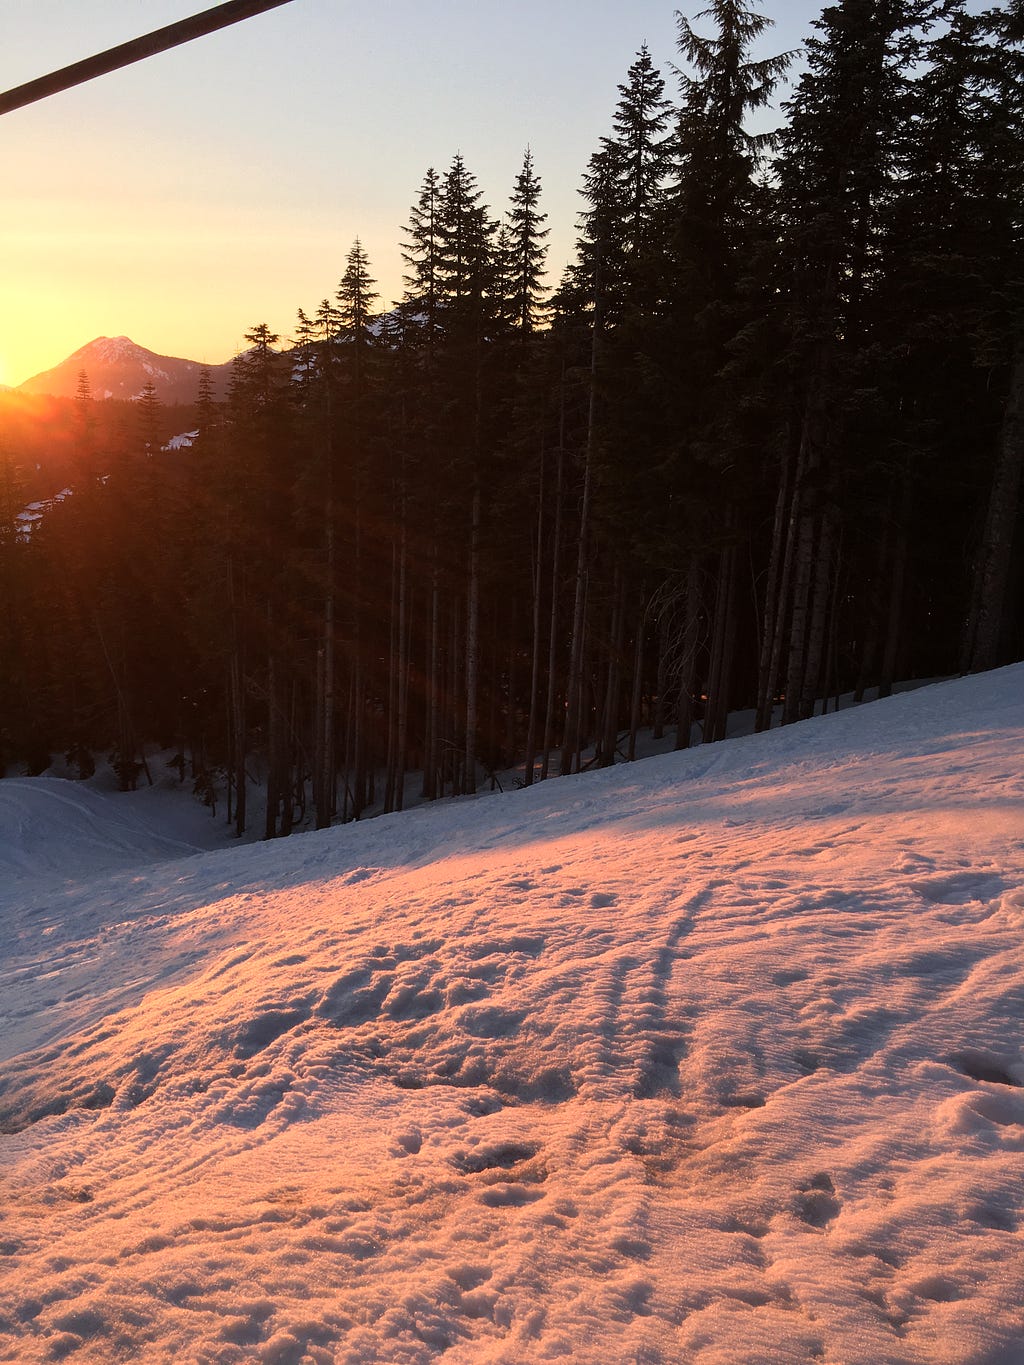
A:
(119, 368)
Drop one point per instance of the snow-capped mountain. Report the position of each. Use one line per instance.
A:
(119, 368)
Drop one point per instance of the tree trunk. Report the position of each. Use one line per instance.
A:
(431, 758)
(571, 737)
(556, 548)
(609, 737)
(817, 621)
(538, 560)
(390, 761)
(402, 729)
(832, 680)
(323, 762)
(894, 623)
(238, 710)
(804, 522)
(273, 723)
(775, 596)
(452, 750)
(636, 699)
(688, 656)
(662, 675)
(473, 642)
(803, 578)
(719, 674)
(983, 634)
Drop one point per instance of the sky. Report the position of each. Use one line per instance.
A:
(186, 198)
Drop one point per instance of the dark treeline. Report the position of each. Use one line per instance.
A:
(761, 445)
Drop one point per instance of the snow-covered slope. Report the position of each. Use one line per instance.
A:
(50, 828)
(715, 1058)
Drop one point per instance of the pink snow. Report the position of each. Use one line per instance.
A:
(713, 1058)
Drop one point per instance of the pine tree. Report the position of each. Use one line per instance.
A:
(355, 300)
(638, 156)
(607, 290)
(421, 249)
(15, 613)
(993, 631)
(469, 308)
(423, 406)
(317, 345)
(85, 430)
(259, 462)
(641, 150)
(149, 410)
(526, 249)
(526, 439)
(837, 167)
(718, 225)
(356, 297)
(464, 259)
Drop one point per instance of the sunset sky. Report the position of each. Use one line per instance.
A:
(183, 199)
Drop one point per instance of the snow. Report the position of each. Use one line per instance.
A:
(181, 442)
(713, 1058)
(113, 350)
(154, 371)
(32, 514)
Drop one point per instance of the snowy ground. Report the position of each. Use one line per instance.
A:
(714, 1058)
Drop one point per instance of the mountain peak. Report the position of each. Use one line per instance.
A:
(110, 349)
(118, 367)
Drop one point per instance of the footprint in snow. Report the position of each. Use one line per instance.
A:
(408, 1143)
(510, 1196)
(959, 888)
(984, 1066)
(816, 1203)
(502, 1156)
(359, 874)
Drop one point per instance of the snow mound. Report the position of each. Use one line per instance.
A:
(50, 826)
(715, 1058)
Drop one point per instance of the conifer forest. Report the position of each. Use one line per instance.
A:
(759, 446)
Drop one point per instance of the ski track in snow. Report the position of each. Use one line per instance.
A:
(716, 1058)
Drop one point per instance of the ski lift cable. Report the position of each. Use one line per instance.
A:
(160, 40)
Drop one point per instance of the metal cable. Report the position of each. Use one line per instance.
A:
(173, 35)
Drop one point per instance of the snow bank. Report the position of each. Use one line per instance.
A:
(715, 1058)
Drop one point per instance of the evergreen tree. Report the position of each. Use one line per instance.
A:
(718, 227)
(641, 150)
(993, 631)
(470, 310)
(464, 259)
(836, 172)
(526, 249)
(85, 430)
(149, 412)
(421, 250)
(15, 612)
(356, 297)
(259, 465)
